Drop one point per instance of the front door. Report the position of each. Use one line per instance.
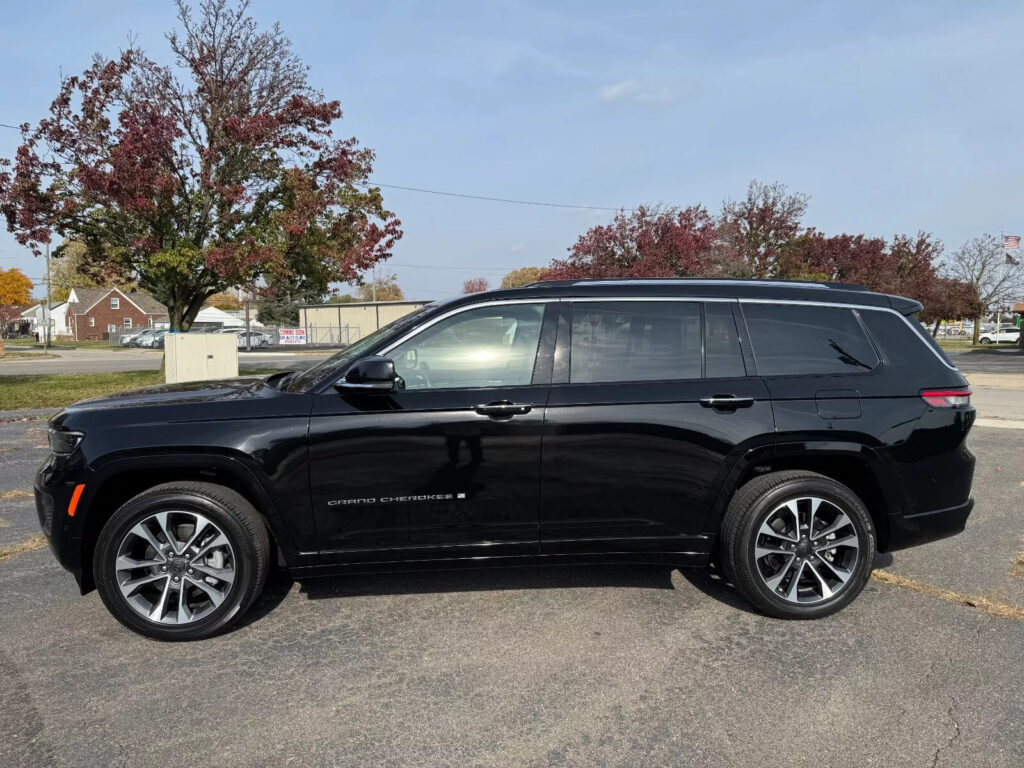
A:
(447, 465)
(643, 424)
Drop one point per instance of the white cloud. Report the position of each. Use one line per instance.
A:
(631, 90)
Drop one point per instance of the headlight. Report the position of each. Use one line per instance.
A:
(63, 443)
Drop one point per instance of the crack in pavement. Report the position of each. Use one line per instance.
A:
(951, 714)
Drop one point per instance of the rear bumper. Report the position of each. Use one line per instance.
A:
(922, 527)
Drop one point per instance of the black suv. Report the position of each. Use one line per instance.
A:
(786, 431)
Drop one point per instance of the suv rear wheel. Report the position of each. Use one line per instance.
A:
(798, 545)
(181, 561)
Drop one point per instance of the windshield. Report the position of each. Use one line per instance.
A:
(303, 379)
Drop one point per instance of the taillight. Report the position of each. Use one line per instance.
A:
(947, 398)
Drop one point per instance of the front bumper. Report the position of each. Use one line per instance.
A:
(922, 527)
(54, 485)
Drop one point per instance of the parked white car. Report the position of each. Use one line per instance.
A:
(256, 339)
(1003, 335)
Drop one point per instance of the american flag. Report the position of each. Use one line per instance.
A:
(1011, 241)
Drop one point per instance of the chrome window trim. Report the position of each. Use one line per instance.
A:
(716, 299)
(458, 311)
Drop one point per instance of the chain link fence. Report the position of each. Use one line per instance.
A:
(257, 338)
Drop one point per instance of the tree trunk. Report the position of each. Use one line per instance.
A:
(935, 328)
(977, 330)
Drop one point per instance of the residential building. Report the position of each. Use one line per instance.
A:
(102, 313)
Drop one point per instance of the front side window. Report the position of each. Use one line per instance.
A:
(791, 340)
(486, 347)
(635, 341)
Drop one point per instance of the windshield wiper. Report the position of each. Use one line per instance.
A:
(846, 357)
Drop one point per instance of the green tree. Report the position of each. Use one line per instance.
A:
(224, 300)
(384, 288)
(517, 278)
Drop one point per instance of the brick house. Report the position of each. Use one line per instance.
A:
(99, 313)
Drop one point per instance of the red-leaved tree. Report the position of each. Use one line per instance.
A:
(226, 175)
(475, 285)
(647, 242)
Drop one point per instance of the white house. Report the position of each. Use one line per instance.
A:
(58, 319)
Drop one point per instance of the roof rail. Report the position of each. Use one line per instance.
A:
(697, 281)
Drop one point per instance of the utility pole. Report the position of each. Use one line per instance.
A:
(46, 307)
(248, 336)
(374, 283)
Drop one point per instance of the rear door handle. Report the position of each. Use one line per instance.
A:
(726, 402)
(503, 409)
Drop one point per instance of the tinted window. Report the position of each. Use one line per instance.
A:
(924, 334)
(485, 347)
(722, 345)
(634, 341)
(791, 340)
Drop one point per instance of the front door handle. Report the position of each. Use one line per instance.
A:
(503, 409)
(726, 402)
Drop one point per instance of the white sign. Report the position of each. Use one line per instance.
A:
(293, 335)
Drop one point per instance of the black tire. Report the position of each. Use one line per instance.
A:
(986, 341)
(754, 503)
(236, 518)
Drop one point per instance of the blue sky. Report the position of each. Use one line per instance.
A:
(892, 116)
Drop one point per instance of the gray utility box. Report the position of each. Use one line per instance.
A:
(200, 356)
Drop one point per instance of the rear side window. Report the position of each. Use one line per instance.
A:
(722, 345)
(635, 341)
(791, 340)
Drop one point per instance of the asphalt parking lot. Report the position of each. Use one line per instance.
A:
(626, 666)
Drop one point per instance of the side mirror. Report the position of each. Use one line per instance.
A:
(371, 374)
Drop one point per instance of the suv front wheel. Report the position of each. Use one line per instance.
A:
(798, 545)
(181, 561)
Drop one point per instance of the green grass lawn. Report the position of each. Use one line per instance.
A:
(55, 390)
(63, 344)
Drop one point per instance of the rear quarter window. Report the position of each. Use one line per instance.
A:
(791, 340)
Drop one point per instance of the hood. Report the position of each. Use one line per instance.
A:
(176, 394)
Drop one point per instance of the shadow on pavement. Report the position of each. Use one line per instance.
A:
(708, 581)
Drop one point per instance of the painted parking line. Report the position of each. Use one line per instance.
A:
(999, 423)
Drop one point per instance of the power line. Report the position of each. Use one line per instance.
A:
(463, 195)
(448, 269)
(490, 199)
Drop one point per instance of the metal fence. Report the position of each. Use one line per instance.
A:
(260, 337)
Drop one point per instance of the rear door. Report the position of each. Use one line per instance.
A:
(650, 407)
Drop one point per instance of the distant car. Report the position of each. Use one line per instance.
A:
(154, 340)
(256, 339)
(1001, 336)
(135, 339)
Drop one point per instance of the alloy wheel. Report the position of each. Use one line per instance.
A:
(806, 550)
(175, 567)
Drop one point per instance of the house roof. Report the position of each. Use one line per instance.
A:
(90, 297)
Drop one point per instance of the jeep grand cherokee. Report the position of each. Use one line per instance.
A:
(786, 431)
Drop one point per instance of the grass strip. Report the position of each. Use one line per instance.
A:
(983, 604)
(29, 545)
